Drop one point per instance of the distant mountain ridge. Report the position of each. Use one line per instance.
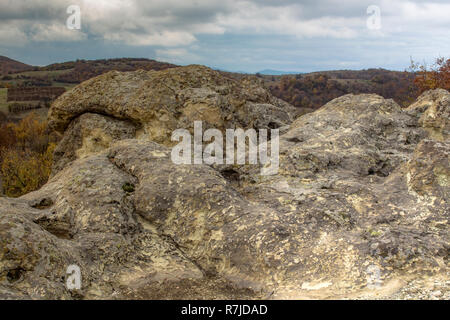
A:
(307, 91)
(72, 72)
(271, 72)
(312, 90)
(8, 65)
(82, 70)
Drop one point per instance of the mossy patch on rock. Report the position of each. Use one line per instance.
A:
(128, 187)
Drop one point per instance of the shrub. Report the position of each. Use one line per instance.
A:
(7, 136)
(2, 117)
(433, 77)
(31, 134)
(23, 172)
(26, 155)
(17, 107)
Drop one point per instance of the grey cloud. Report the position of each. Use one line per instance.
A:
(132, 19)
(232, 34)
(37, 10)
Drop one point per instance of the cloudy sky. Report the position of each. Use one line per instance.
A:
(235, 35)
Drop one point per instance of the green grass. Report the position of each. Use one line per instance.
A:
(36, 74)
(42, 73)
(14, 81)
(3, 103)
(41, 113)
(68, 86)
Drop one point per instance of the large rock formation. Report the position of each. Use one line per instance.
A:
(358, 209)
(157, 103)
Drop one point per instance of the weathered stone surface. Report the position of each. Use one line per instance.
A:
(361, 198)
(152, 104)
(162, 101)
(354, 173)
(364, 134)
(429, 170)
(84, 216)
(433, 109)
(87, 134)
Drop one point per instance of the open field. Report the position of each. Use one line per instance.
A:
(41, 112)
(3, 103)
(19, 79)
(42, 73)
(67, 86)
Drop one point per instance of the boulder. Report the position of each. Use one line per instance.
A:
(358, 209)
(158, 102)
(152, 104)
(433, 112)
(87, 134)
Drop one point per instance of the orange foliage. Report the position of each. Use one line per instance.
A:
(26, 155)
(437, 76)
(311, 91)
(23, 172)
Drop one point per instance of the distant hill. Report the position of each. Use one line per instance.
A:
(307, 91)
(70, 73)
(60, 76)
(312, 90)
(81, 70)
(270, 72)
(8, 65)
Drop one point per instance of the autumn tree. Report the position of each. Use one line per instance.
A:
(431, 77)
(26, 155)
